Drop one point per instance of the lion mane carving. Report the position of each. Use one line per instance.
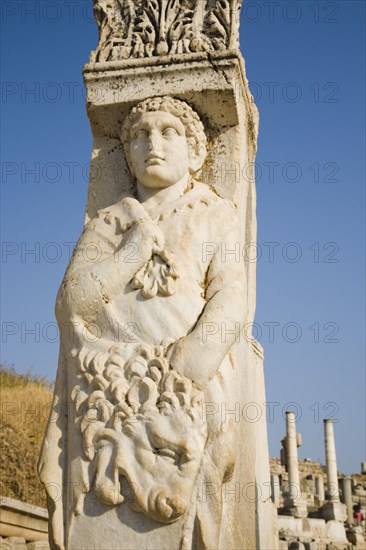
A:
(142, 421)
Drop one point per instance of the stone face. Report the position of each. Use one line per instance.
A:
(150, 442)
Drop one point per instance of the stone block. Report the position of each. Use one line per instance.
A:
(22, 520)
(297, 545)
(334, 511)
(4, 544)
(17, 543)
(38, 545)
(290, 523)
(316, 526)
(355, 535)
(336, 532)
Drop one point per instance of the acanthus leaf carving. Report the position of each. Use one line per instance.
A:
(115, 19)
(164, 27)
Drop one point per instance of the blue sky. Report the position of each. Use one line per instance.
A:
(305, 63)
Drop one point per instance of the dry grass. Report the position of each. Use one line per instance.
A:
(25, 404)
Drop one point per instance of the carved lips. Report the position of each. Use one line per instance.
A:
(154, 159)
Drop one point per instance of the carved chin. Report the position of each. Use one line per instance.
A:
(159, 175)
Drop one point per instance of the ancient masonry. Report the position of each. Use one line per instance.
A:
(22, 526)
(317, 506)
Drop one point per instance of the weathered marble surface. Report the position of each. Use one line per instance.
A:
(150, 28)
(139, 397)
(148, 445)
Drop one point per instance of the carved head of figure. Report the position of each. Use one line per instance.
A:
(164, 142)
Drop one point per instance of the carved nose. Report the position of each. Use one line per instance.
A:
(170, 508)
(154, 141)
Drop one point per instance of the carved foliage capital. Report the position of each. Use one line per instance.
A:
(149, 28)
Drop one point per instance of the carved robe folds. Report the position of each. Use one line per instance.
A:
(149, 310)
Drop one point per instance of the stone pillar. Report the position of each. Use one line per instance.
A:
(294, 504)
(319, 488)
(332, 493)
(275, 489)
(347, 498)
(194, 73)
(363, 468)
(292, 457)
(333, 509)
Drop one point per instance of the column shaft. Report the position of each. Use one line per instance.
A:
(319, 487)
(292, 457)
(331, 462)
(347, 498)
(275, 489)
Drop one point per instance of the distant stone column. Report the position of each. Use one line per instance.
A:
(275, 489)
(292, 458)
(319, 488)
(333, 509)
(294, 504)
(347, 498)
(332, 493)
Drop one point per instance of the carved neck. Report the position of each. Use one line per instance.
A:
(153, 198)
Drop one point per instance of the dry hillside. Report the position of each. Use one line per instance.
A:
(25, 404)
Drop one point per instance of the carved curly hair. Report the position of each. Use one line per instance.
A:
(195, 132)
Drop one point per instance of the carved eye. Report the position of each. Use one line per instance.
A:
(169, 132)
(168, 454)
(140, 134)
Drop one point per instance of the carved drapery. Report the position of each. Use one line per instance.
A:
(151, 28)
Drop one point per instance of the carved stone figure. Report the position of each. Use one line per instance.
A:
(152, 442)
(139, 332)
